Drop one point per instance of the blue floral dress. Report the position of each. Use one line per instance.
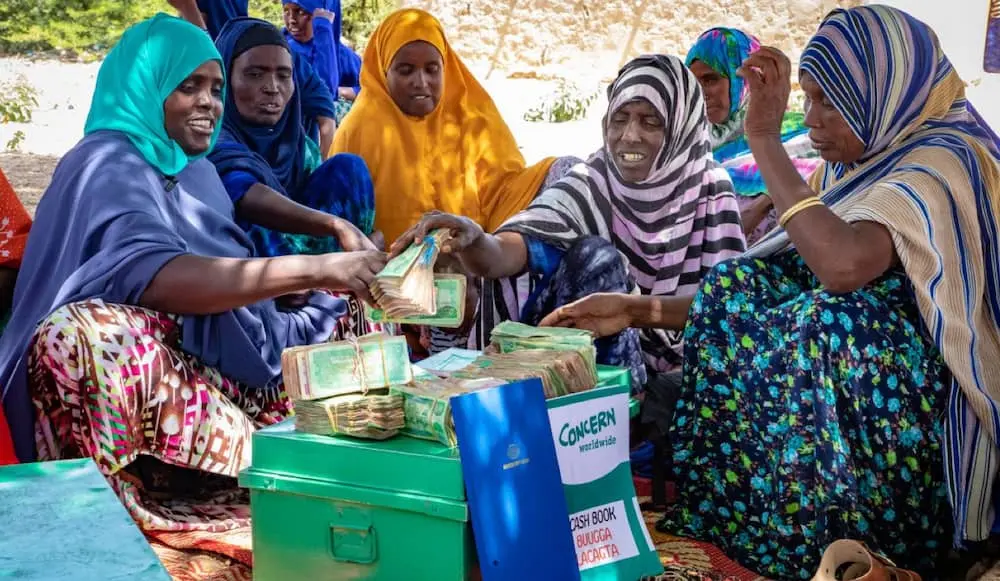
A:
(806, 417)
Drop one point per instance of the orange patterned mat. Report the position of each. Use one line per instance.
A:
(683, 559)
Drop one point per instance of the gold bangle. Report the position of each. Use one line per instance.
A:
(798, 207)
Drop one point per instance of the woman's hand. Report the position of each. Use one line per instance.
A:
(324, 13)
(464, 232)
(349, 237)
(602, 314)
(351, 271)
(768, 72)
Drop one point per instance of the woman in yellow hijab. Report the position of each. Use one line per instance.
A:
(430, 134)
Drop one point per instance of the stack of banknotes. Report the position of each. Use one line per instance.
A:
(375, 416)
(449, 305)
(561, 372)
(510, 336)
(320, 371)
(427, 406)
(406, 286)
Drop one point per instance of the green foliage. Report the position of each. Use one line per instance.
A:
(565, 104)
(17, 99)
(92, 26)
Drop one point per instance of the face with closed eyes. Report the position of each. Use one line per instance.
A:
(416, 78)
(635, 135)
(829, 132)
(262, 84)
(193, 109)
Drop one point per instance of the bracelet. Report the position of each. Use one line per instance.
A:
(798, 207)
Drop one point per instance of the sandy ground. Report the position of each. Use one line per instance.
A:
(65, 89)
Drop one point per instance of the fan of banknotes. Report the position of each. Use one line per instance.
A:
(375, 416)
(405, 287)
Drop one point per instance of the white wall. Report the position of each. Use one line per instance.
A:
(961, 28)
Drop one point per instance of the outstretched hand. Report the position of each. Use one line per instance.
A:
(768, 73)
(602, 314)
(464, 232)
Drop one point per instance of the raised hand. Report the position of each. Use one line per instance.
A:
(768, 72)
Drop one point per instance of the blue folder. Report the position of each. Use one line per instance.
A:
(519, 517)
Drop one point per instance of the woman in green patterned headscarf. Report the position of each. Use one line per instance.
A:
(714, 60)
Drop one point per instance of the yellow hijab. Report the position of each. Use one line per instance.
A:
(461, 159)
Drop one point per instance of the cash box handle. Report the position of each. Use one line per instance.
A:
(353, 543)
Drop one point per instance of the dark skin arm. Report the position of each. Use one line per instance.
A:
(490, 256)
(327, 127)
(188, 10)
(844, 256)
(265, 207)
(199, 285)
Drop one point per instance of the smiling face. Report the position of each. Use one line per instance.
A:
(635, 136)
(415, 78)
(192, 110)
(262, 84)
(298, 22)
(829, 132)
(716, 89)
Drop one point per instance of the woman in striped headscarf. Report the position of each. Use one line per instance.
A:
(653, 195)
(714, 59)
(843, 378)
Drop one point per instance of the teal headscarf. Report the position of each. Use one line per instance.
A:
(152, 59)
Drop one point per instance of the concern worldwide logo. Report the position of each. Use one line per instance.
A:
(586, 433)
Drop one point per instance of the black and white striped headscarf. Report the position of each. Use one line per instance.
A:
(672, 226)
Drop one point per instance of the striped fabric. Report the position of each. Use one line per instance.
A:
(930, 176)
(673, 226)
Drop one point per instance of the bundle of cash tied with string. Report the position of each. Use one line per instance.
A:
(427, 406)
(325, 370)
(375, 415)
(409, 291)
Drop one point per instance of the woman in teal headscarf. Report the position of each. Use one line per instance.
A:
(714, 59)
(145, 334)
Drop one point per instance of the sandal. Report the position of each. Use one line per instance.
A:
(854, 562)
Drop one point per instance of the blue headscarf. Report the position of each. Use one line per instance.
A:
(273, 155)
(346, 66)
(219, 12)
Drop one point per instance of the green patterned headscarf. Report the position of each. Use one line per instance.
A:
(152, 58)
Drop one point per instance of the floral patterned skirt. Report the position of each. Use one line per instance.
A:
(170, 434)
(806, 417)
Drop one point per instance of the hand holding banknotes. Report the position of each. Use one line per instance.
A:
(352, 271)
(464, 233)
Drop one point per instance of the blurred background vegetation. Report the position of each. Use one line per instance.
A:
(87, 28)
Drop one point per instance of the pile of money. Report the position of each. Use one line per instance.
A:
(405, 287)
(427, 406)
(376, 417)
(449, 305)
(510, 336)
(562, 371)
(328, 369)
